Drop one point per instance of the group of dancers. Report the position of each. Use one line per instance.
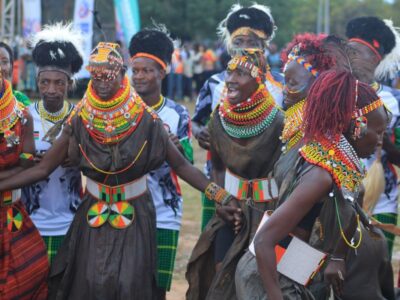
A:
(283, 195)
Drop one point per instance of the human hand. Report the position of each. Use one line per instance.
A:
(203, 137)
(335, 273)
(231, 214)
(175, 140)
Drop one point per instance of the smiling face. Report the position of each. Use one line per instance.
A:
(377, 123)
(364, 62)
(297, 83)
(240, 85)
(53, 87)
(147, 76)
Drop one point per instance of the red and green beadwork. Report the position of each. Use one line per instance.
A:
(98, 214)
(122, 214)
(14, 219)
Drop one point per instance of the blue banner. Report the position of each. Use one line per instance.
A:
(127, 18)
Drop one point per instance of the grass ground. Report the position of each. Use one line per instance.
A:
(190, 230)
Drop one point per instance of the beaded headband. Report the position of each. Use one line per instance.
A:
(151, 56)
(105, 60)
(368, 108)
(358, 112)
(243, 62)
(247, 30)
(372, 47)
(294, 56)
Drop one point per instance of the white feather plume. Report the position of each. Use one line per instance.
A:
(388, 67)
(223, 32)
(59, 32)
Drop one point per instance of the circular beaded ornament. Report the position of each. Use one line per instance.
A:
(98, 214)
(122, 215)
(14, 219)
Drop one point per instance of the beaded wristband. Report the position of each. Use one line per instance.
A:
(26, 156)
(216, 193)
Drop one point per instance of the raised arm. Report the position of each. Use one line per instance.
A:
(53, 158)
(313, 186)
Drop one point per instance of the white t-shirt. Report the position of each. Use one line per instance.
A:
(52, 202)
(163, 183)
(387, 202)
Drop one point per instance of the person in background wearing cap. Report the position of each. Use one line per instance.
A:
(52, 203)
(243, 27)
(115, 139)
(376, 46)
(151, 51)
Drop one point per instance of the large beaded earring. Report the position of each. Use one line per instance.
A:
(359, 127)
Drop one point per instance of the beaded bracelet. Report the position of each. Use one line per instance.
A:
(216, 193)
(26, 156)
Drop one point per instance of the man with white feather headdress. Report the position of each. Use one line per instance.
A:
(51, 203)
(376, 45)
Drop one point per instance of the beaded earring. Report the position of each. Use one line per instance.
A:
(359, 127)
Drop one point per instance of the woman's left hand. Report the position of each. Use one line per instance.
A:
(334, 274)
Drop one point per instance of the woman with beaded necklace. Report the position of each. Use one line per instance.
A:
(109, 251)
(343, 120)
(304, 58)
(245, 145)
(23, 260)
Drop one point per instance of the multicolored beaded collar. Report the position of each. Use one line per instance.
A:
(340, 160)
(110, 121)
(292, 131)
(10, 112)
(248, 118)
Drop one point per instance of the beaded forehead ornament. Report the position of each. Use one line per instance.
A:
(294, 56)
(244, 62)
(105, 61)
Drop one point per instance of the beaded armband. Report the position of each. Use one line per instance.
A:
(217, 193)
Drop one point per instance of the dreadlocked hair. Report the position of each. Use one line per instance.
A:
(330, 104)
(312, 48)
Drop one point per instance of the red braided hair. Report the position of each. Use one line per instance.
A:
(331, 102)
(312, 48)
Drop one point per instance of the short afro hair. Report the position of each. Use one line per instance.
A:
(155, 41)
(374, 31)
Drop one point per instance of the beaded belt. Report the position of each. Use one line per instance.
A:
(112, 202)
(260, 190)
(14, 216)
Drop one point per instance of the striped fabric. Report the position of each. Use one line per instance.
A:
(388, 218)
(23, 260)
(208, 211)
(167, 242)
(53, 243)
